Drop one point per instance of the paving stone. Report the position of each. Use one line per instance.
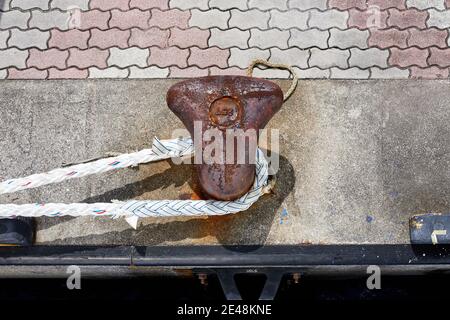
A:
(268, 4)
(189, 4)
(105, 39)
(29, 4)
(308, 4)
(372, 57)
(13, 58)
(368, 19)
(209, 19)
(312, 73)
(408, 57)
(49, 19)
(229, 38)
(229, 4)
(5, 5)
(429, 73)
(328, 19)
(309, 38)
(389, 73)
(351, 73)
(167, 57)
(31, 73)
(233, 71)
(383, 4)
(68, 39)
(28, 39)
(149, 72)
(133, 18)
(249, 19)
(70, 73)
(128, 57)
(190, 72)
(109, 4)
(439, 57)
(4, 35)
(292, 56)
(44, 59)
(146, 4)
(439, 19)
(70, 4)
(94, 19)
(428, 38)
(329, 58)
(242, 58)
(111, 72)
(14, 18)
(407, 18)
(426, 4)
(204, 58)
(347, 4)
(151, 37)
(288, 19)
(3, 73)
(169, 18)
(270, 73)
(269, 38)
(185, 38)
(92, 57)
(388, 38)
(349, 38)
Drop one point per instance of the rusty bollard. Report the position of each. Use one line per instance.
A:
(233, 104)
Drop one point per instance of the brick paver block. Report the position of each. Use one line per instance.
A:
(233, 71)
(309, 38)
(151, 37)
(349, 38)
(189, 4)
(328, 19)
(3, 74)
(312, 73)
(185, 38)
(209, 19)
(14, 18)
(368, 19)
(49, 20)
(190, 72)
(169, 18)
(269, 73)
(242, 58)
(70, 73)
(109, 38)
(29, 4)
(292, 56)
(68, 4)
(388, 38)
(167, 57)
(147, 4)
(229, 4)
(407, 18)
(439, 19)
(372, 57)
(33, 38)
(229, 38)
(31, 73)
(109, 4)
(447, 4)
(389, 73)
(133, 18)
(111, 72)
(429, 73)
(268, 4)
(408, 57)
(128, 57)
(269, 38)
(439, 57)
(329, 58)
(44, 59)
(386, 4)
(68, 39)
(347, 4)
(428, 38)
(351, 73)
(288, 19)
(91, 57)
(94, 19)
(4, 35)
(204, 58)
(150, 72)
(426, 4)
(249, 19)
(13, 58)
(308, 4)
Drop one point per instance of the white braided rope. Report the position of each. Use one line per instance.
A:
(161, 149)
